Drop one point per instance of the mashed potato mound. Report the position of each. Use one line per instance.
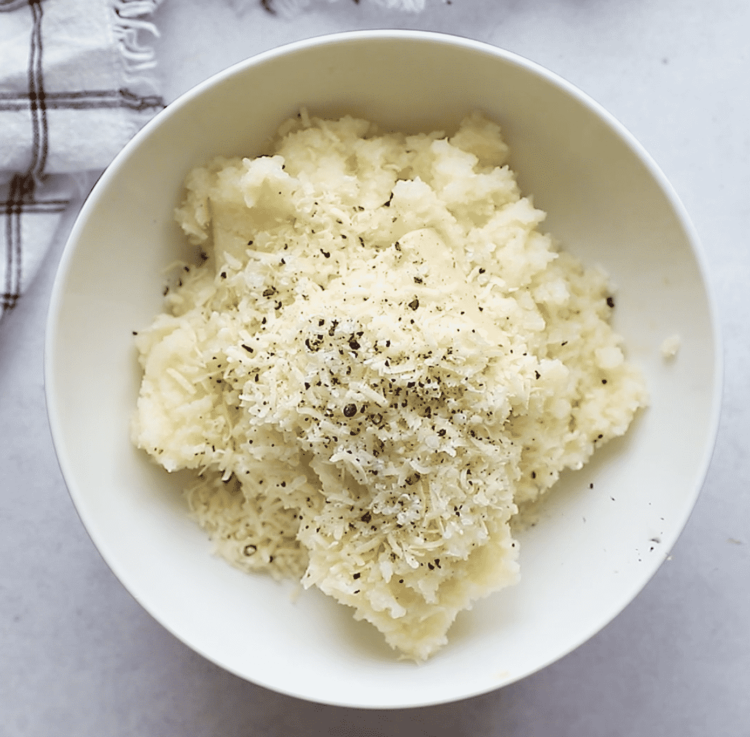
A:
(379, 358)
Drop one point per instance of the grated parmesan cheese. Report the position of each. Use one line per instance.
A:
(378, 360)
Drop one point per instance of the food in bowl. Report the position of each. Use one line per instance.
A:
(377, 362)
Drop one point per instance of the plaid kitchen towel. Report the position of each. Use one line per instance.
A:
(75, 85)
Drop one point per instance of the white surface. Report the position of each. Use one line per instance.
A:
(593, 549)
(81, 657)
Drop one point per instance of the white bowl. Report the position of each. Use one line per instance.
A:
(594, 548)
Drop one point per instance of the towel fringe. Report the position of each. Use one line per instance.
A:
(129, 26)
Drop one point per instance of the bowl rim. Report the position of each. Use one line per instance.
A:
(403, 36)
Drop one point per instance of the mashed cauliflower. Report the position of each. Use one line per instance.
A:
(379, 358)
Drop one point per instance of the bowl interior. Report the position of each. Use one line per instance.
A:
(604, 530)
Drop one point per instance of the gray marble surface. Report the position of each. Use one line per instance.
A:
(80, 657)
